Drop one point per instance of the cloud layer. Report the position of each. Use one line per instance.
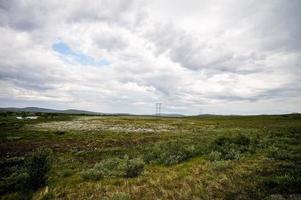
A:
(229, 57)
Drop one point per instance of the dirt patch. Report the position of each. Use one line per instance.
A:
(16, 148)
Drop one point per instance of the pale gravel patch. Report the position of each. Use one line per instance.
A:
(95, 124)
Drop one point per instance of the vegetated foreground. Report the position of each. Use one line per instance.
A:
(131, 157)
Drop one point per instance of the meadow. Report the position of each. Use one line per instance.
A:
(145, 157)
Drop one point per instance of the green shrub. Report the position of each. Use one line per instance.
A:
(232, 147)
(38, 165)
(169, 153)
(115, 167)
(241, 140)
(281, 154)
(110, 167)
(220, 164)
(133, 167)
(214, 155)
(232, 154)
(27, 174)
(92, 174)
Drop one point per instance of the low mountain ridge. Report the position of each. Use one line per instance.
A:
(46, 110)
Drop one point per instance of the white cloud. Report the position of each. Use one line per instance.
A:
(193, 56)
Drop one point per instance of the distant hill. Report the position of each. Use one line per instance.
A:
(207, 115)
(73, 111)
(232, 115)
(171, 115)
(215, 115)
(46, 110)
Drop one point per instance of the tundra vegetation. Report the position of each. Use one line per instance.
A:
(142, 157)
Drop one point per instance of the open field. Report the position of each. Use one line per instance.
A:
(132, 157)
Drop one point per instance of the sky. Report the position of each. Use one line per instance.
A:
(124, 56)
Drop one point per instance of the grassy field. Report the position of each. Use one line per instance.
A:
(132, 157)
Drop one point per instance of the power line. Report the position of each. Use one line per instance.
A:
(158, 108)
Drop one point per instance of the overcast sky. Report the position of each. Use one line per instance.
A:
(193, 56)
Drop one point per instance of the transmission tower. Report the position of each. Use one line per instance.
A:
(158, 108)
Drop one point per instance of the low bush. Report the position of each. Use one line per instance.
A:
(220, 165)
(92, 174)
(230, 148)
(133, 167)
(277, 153)
(232, 154)
(169, 153)
(38, 166)
(115, 167)
(27, 174)
(214, 155)
(110, 167)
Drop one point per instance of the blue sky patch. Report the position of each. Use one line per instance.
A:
(66, 51)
